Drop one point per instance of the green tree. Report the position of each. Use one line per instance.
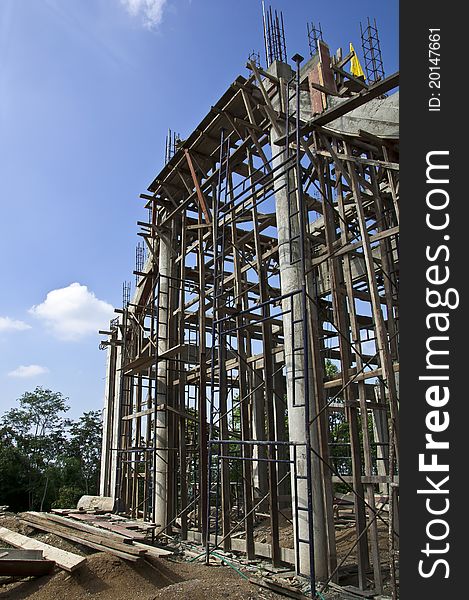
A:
(37, 429)
(81, 460)
(45, 458)
(14, 469)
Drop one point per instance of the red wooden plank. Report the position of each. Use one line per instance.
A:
(134, 535)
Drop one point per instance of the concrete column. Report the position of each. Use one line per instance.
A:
(161, 424)
(107, 422)
(111, 415)
(291, 280)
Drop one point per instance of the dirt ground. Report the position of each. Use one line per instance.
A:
(345, 538)
(106, 577)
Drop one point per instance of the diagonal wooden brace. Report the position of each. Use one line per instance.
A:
(200, 195)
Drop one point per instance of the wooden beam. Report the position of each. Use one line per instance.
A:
(102, 542)
(25, 567)
(378, 89)
(358, 81)
(65, 560)
(341, 64)
(200, 195)
(272, 115)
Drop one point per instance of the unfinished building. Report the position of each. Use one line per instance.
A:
(252, 377)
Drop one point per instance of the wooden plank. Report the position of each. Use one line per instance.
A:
(317, 90)
(74, 516)
(141, 525)
(25, 567)
(119, 528)
(279, 589)
(202, 429)
(200, 195)
(287, 555)
(87, 532)
(341, 64)
(153, 550)
(342, 322)
(243, 386)
(320, 88)
(358, 81)
(325, 64)
(65, 560)
(123, 531)
(87, 540)
(271, 114)
(137, 415)
(64, 511)
(20, 554)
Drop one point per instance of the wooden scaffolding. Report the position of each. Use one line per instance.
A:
(253, 376)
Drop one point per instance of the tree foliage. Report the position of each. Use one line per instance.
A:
(47, 459)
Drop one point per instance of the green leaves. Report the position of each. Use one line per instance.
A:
(46, 458)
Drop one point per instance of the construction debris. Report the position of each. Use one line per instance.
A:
(24, 563)
(87, 535)
(108, 577)
(64, 560)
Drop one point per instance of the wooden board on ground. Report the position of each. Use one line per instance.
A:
(83, 516)
(87, 527)
(119, 527)
(99, 540)
(21, 554)
(25, 567)
(127, 523)
(153, 550)
(65, 560)
(279, 589)
(121, 530)
(65, 511)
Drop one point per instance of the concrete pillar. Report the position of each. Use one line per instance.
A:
(111, 415)
(291, 281)
(161, 424)
(107, 422)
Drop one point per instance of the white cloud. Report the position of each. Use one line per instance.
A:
(28, 371)
(151, 11)
(7, 324)
(73, 312)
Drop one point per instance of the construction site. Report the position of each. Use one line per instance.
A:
(252, 379)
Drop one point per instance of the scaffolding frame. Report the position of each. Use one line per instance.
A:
(266, 311)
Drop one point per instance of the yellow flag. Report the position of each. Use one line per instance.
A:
(355, 66)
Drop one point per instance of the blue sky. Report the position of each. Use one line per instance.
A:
(88, 89)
